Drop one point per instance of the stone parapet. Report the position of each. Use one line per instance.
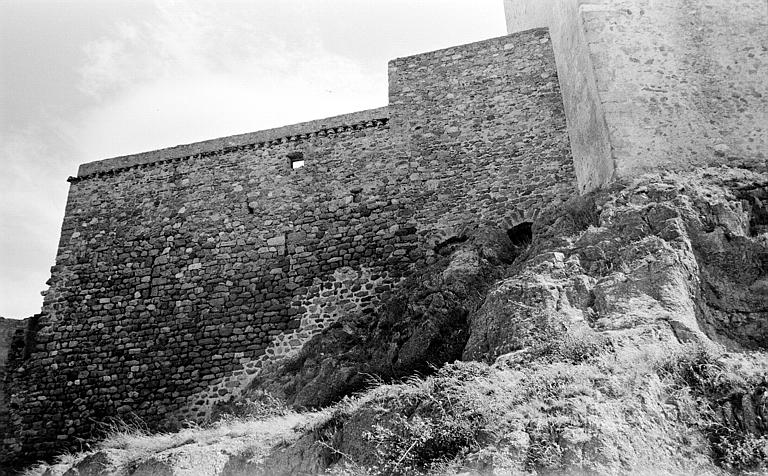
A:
(265, 138)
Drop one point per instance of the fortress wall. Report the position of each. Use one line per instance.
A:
(169, 275)
(175, 279)
(668, 84)
(9, 329)
(485, 125)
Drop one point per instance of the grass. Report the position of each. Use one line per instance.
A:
(258, 405)
(62, 463)
(130, 444)
(574, 406)
(583, 211)
(581, 405)
(704, 383)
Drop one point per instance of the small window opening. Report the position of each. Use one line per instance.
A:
(521, 235)
(296, 159)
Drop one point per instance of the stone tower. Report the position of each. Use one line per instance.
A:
(650, 85)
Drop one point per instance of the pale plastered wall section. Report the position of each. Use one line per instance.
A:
(587, 128)
(678, 83)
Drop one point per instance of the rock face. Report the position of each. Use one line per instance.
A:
(675, 257)
(665, 259)
(656, 265)
(549, 298)
(97, 464)
(421, 327)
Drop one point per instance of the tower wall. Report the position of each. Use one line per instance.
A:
(657, 84)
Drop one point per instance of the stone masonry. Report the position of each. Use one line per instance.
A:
(179, 271)
(11, 332)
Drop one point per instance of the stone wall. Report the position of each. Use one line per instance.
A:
(587, 129)
(485, 128)
(682, 81)
(10, 330)
(180, 271)
(657, 85)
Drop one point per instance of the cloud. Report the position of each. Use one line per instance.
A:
(198, 72)
(181, 39)
(30, 217)
(101, 72)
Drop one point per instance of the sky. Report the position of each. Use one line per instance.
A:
(84, 80)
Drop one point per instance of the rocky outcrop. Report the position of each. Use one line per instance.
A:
(419, 328)
(539, 305)
(675, 257)
(671, 258)
(664, 263)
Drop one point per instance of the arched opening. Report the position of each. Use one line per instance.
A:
(521, 235)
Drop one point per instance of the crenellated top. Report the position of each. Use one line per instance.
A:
(266, 138)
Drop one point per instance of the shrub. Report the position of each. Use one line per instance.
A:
(702, 382)
(423, 424)
(417, 444)
(581, 346)
(543, 452)
(259, 406)
(738, 450)
(583, 212)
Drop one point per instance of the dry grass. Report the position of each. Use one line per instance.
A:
(129, 444)
(640, 403)
(636, 408)
(62, 463)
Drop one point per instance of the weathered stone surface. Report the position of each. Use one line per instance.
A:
(101, 463)
(671, 257)
(549, 299)
(153, 467)
(650, 86)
